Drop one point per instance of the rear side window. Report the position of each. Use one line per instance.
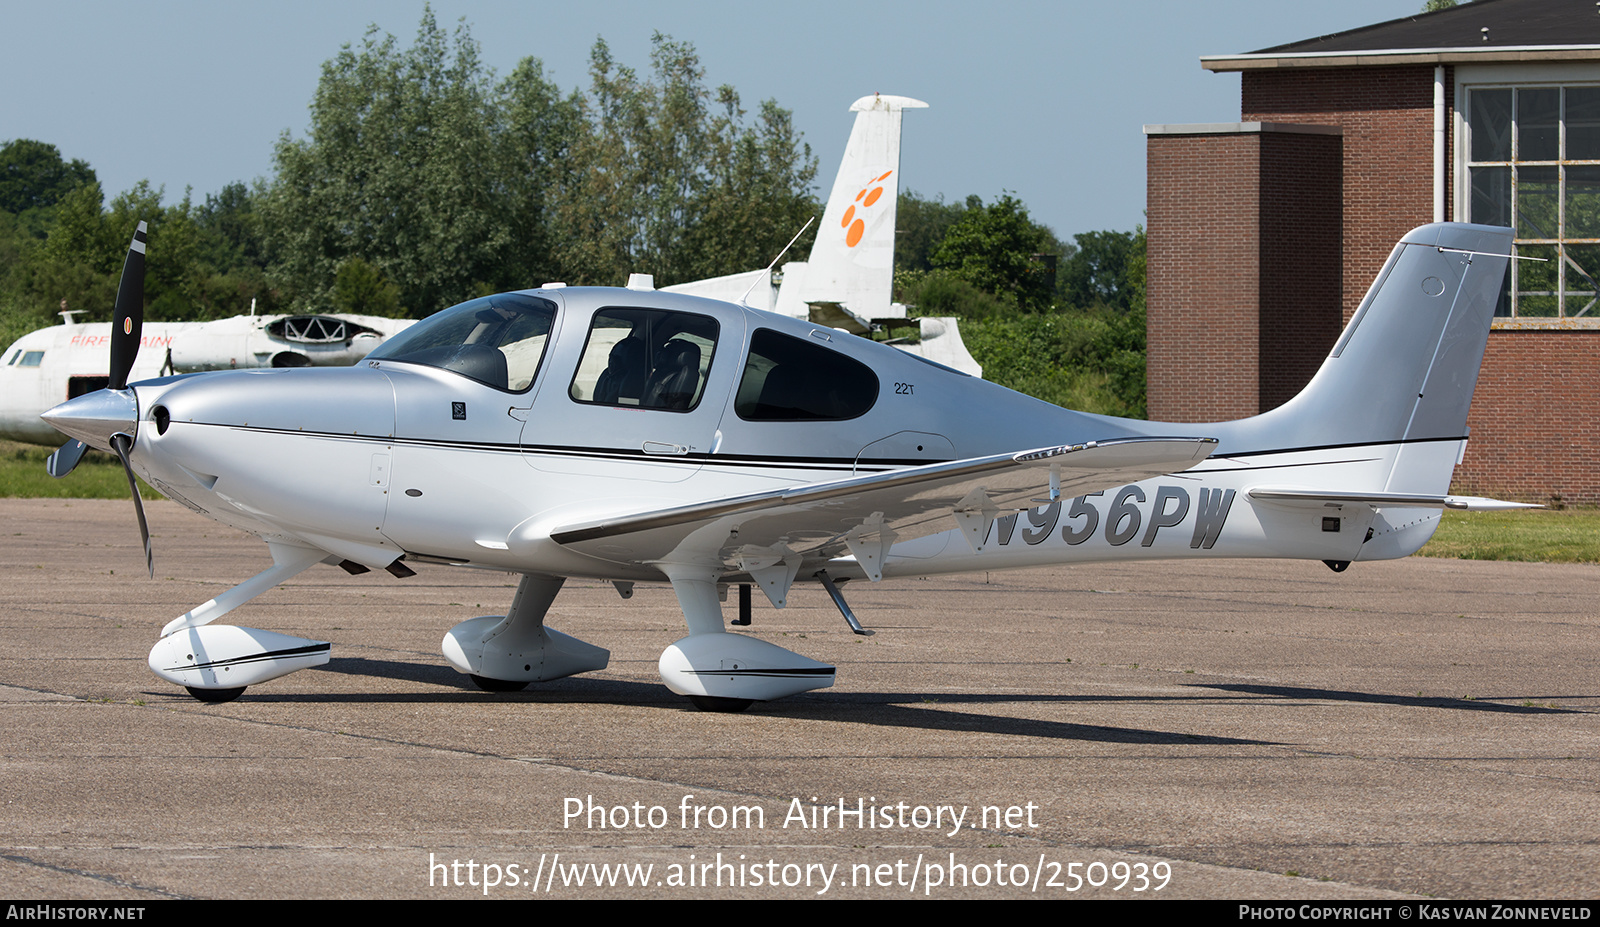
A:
(789, 379)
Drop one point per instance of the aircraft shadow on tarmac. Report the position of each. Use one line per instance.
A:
(1479, 703)
(926, 711)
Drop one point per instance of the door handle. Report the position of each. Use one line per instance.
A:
(665, 448)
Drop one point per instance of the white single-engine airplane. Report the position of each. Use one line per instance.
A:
(633, 435)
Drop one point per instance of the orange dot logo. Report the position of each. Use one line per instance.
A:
(856, 228)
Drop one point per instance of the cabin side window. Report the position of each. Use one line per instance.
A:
(646, 358)
(788, 379)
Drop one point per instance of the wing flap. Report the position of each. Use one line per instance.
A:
(867, 513)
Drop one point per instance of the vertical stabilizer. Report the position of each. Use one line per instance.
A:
(1376, 434)
(852, 262)
(1404, 369)
(1406, 365)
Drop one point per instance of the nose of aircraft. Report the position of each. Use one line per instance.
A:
(94, 417)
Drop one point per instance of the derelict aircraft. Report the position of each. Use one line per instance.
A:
(45, 367)
(634, 435)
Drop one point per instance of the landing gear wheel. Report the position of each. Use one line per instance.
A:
(215, 696)
(499, 685)
(718, 703)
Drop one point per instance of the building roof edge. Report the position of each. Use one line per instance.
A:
(1392, 56)
(1240, 128)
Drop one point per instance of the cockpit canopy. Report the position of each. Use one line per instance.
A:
(497, 340)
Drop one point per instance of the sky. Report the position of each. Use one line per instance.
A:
(1046, 100)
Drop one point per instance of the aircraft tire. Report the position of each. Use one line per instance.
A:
(215, 696)
(499, 685)
(717, 703)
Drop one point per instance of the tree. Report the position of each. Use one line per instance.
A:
(1086, 353)
(1106, 269)
(994, 247)
(539, 129)
(400, 168)
(33, 176)
(449, 185)
(757, 194)
(361, 288)
(921, 224)
(230, 228)
(80, 261)
(668, 182)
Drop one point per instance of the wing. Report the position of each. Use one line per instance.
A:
(769, 535)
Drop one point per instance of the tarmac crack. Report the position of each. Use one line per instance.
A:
(96, 876)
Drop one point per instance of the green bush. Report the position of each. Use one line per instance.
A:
(1088, 360)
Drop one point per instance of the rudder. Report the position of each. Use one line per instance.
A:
(1405, 367)
(852, 261)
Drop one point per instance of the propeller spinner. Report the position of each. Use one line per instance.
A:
(109, 418)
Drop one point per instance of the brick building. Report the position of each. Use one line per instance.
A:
(1265, 234)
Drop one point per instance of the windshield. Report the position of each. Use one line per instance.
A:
(497, 340)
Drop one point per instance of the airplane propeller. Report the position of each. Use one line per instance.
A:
(128, 317)
(111, 414)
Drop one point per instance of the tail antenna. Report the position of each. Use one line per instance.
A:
(744, 300)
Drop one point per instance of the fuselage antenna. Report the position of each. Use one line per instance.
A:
(744, 300)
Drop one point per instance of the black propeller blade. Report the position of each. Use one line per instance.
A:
(127, 325)
(127, 320)
(121, 444)
(65, 458)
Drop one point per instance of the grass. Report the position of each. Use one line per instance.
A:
(98, 476)
(1538, 535)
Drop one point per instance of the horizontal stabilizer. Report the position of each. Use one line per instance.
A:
(1307, 497)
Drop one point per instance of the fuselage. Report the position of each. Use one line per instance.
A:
(396, 456)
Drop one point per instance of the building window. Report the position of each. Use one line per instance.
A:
(1534, 165)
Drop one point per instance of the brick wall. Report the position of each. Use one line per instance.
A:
(1243, 289)
(1301, 277)
(1201, 292)
(1386, 114)
(1535, 432)
(1533, 436)
(1233, 223)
